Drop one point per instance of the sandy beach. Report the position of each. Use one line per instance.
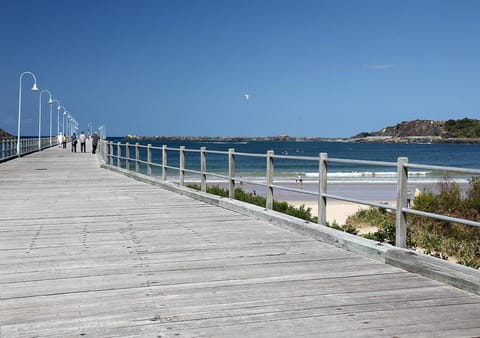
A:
(338, 211)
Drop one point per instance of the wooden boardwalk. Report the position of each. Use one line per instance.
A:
(86, 252)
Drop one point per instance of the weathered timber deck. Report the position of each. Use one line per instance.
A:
(88, 252)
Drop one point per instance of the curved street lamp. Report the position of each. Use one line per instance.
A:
(34, 88)
(73, 125)
(50, 101)
(65, 112)
(58, 113)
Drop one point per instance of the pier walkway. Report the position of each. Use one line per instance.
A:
(87, 252)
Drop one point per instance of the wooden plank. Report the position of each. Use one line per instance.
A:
(84, 251)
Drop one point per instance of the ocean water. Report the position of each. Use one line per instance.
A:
(253, 168)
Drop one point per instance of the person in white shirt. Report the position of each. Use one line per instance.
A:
(60, 139)
(83, 139)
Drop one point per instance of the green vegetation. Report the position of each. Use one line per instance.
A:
(434, 237)
(301, 212)
(378, 217)
(464, 128)
(445, 239)
(283, 207)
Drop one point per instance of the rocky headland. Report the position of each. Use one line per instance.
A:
(4, 135)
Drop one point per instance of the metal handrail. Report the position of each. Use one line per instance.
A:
(402, 166)
(8, 147)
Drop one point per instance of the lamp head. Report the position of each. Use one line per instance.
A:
(50, 101)
(35, 88)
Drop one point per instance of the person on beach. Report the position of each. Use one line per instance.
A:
(409, 198)
(83, 140)
(95, 139)
(299, 180)
(74, 141)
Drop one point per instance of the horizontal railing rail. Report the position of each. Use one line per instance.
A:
(8, 147)
(122, 158)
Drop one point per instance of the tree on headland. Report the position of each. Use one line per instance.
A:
(451, 131)
(464, 128)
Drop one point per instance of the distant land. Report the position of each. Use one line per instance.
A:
(417, 131)
(4, 135)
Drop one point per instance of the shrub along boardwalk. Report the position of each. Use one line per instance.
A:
(88, 252)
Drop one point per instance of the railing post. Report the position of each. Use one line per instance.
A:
(203, 169)
(119, 154)
(3, 149)
(137, 158)
(149, 160)
(107, 151)
(269, 179)
(182, 165)
(127, 156)
(402, 194)
(110, 153)
(231, 173)
(164, 162)
(104, 143)
(322, 189)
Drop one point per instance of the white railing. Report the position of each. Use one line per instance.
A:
(119, 157)
(8, 147)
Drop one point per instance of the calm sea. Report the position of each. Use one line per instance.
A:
(452, 155)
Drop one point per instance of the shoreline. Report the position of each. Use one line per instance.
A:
(369, 192)
(337, 210)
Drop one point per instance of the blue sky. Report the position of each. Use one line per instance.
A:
(311, 68)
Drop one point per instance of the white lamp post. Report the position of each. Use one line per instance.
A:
(34, 88)
(74, 124)
(58, 115)
(40, 117)
(63, 124)
(51, 104)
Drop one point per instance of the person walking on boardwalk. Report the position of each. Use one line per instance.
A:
(95, 139)
(60, 139)
(64, 141)
(83, 140)
(74, 142)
